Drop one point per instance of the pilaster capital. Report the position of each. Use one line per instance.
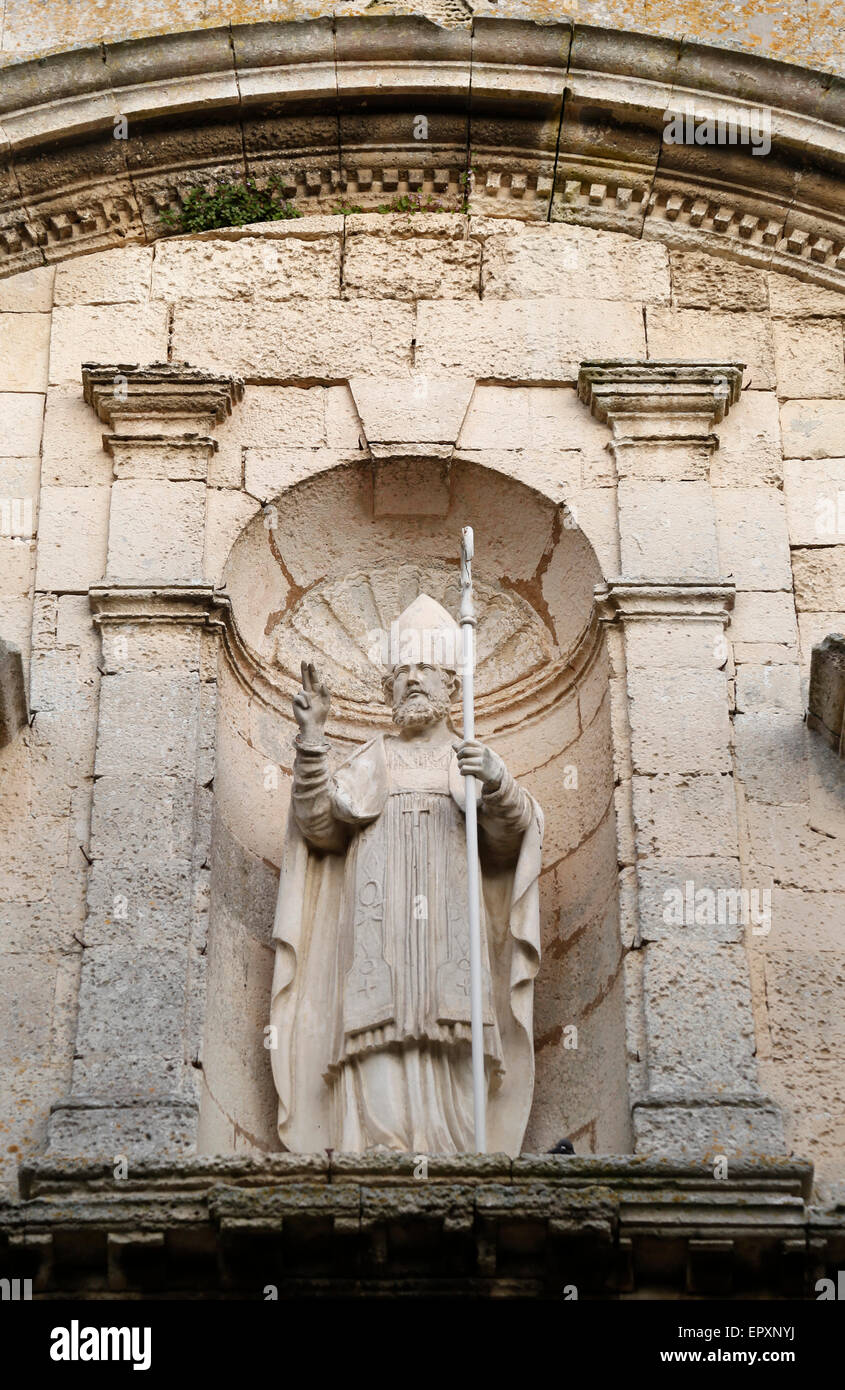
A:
(196, 604)
(123, 394)
(664, 398)
(632, 600)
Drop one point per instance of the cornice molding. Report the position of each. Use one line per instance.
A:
(122, 391)
(635, 600)
(643, 1214)
(200, 604)
(628, 387)
(327, 106)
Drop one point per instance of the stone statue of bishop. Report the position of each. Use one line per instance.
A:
(371, 991)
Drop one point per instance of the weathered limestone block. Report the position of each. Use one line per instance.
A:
(700, 281)
(809, 359)
(813, 429)
(594, 511)
(14, 712)
(228, 512)
(343, 427)
(715, 1129)
(752, 535)
(674, 643)
(814, 490)
(806, 997)
(812, 1093)
(691, 889)
(30, 292)
(251, 268)
(73, 524)
(24, 351)
(120, 1047)
(139, 1128)
(749, 443)
(162, 457)
(540, 417)
(19, 479)
(403, 412)
(826, 699)
(105, 333)
(142, 906)
(538, 260)
(667, 530)
(73, 453)
(380, 266)
(18, 555)
(774, 689)
(165, 832)
(147, 724)
(541, 340)
(791, 298)
(294, 341)
(699, 980)
(21, 416)
(27, 991)
(121, 276)
(29, 30)
(694, 334)
(663, 737)
(819, 577)
(785, 849)
(804, 921)
(677, 815)
(156, 531)
(771, 757)
(267, 472)
(761, 617)
(279, 416)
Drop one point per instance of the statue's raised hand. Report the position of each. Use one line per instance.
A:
(311, 704)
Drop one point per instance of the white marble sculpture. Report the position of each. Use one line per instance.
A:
(371, 1002)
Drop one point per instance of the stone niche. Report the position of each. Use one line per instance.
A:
(318, 575)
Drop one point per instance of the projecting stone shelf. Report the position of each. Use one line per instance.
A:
(356, 1225)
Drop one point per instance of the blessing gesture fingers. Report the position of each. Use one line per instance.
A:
(311, 703)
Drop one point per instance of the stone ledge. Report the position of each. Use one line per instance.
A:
(80, 190)
(343, 1223)
(644, 600)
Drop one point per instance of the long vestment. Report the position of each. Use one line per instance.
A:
(370, 1000)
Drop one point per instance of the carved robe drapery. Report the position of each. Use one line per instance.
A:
(371, 1000)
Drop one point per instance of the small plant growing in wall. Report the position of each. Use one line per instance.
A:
(229, 204)
(413, 202)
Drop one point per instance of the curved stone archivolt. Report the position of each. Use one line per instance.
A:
(660, 138)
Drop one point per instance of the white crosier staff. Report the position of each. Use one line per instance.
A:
(467, 618)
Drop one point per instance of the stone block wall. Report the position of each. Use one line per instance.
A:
(797, 34)
(302, 309)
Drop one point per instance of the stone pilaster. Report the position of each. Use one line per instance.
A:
(694, 1085)
(141, 992)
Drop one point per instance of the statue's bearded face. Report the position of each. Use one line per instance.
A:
(420, 694)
